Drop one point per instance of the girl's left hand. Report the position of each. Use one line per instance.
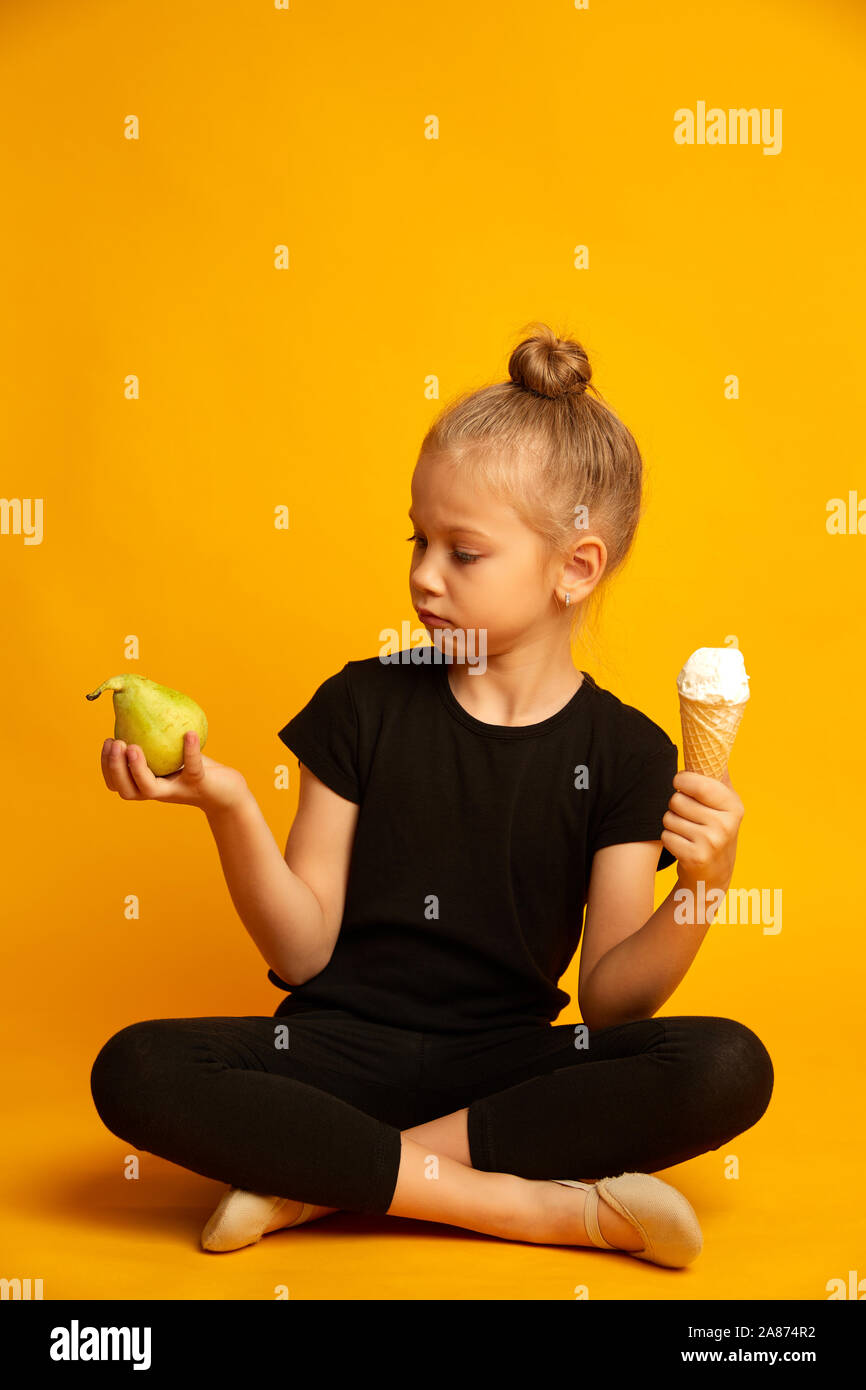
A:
(702, 823)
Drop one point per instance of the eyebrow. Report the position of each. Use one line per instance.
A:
(458, 526)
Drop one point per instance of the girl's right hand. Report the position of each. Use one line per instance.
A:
(200, 782)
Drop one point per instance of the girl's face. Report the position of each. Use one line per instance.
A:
(475, 563)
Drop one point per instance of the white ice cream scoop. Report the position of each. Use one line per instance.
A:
(715, 673)
(713, 690)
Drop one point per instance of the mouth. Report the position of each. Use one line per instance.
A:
(433, 619)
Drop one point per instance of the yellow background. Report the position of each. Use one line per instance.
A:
(305, 387)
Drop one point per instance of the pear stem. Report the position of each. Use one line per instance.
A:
(113, 683)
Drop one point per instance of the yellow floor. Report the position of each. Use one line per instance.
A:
(793, 1220)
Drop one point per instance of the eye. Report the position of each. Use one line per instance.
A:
(462, 555)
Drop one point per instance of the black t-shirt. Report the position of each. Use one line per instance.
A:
(474, 842)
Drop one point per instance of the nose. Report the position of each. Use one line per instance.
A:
(428, 588)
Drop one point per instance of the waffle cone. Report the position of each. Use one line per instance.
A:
(709, 730)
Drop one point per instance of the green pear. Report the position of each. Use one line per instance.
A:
(155, 717)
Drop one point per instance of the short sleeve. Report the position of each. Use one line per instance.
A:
(636, 811)
(324, 736)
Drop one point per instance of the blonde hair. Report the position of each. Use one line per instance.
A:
(541, 443)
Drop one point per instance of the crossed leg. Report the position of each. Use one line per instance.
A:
(212, 1095)
(663, 1090)
(498, 1204)
(513, 1207)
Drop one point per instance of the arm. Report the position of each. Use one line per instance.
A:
(291, 906)
(631, 961)
(634, 978)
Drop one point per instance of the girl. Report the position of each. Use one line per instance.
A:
(454, 820)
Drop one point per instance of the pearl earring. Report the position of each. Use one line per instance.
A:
(567, 600)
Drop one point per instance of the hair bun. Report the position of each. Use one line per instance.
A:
(550, 366)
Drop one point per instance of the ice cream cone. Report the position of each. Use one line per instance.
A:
(709, 730)
(713, 689)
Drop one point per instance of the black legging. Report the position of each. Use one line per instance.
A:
(311, 1106)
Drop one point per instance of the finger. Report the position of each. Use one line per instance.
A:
(103, 762)
(678, 825)
(192, 754)
(690, 809)
(710, 791)
(112, 758)
(147, 783)
(120, 775)
(676, 844)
